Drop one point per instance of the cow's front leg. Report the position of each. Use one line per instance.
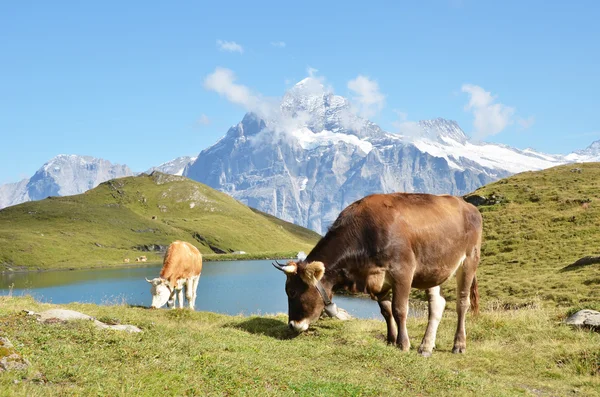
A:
(180, 297)
(384, 300)
(400, 296)
(436, 308)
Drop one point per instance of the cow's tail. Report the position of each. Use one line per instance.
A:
(474, 298)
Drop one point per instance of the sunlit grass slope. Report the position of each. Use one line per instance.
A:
(183, 353)
(123, 217)
(542, 222)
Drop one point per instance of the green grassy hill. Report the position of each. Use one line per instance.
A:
(126, 217)
(535, 225)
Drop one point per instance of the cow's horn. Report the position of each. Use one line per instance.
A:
(150, 281)
(289, 269)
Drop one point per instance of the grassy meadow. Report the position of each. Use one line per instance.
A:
(523, 352)
(544, 221)
(535, 225)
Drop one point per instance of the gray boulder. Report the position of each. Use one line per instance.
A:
(9, 358)
(63, 315)
(585, 319)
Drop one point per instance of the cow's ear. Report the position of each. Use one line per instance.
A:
(313, 272)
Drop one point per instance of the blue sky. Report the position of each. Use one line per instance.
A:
(125, 81)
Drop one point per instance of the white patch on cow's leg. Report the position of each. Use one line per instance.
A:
(180, 297)
(437, 303)
(194, 290)
(189, 291)
(386, 311)
(464, 278)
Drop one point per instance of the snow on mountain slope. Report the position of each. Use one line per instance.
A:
(455, 149)
(309, 140)
(174, 167)
(591, 153)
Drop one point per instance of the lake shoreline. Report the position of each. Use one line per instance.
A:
(24, 269)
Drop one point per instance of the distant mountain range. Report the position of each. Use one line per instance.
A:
(64, 175)
(313, 156)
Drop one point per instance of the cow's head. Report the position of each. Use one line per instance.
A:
(161, 293)
(305, 304)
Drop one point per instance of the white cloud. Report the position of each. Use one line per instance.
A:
(366, 96)
(280, 123)
(222, 81)
(278, 44)
(230, 46)
(203, 120)
(404, 127)
(402, 116)
(526, 123)
(408, 129)
(312, 72)
(490, 117)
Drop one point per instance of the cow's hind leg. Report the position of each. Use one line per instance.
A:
(190, 291)
(436, 308)
(385, 305)
(400, 294)
(195, 290)
(464, 278)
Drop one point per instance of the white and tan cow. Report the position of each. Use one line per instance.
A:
(181, 269)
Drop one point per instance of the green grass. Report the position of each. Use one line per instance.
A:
(546, 221)
(114, 221)
(182, 353)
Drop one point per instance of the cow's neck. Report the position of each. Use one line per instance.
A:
(335, 255)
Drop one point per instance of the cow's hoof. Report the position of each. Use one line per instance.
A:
(459, 350)
(423, 352)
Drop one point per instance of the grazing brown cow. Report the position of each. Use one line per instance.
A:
(182, 267)
(384, 245)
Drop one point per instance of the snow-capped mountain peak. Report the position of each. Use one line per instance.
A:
(442, 130)
(590, 153)
(309, 104)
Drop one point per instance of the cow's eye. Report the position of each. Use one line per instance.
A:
(292, 294)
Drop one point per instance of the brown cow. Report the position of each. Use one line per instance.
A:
(182, 267)
(384, 245)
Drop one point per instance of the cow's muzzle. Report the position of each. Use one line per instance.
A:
(298, 326)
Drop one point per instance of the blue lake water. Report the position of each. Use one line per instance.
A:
(232, 287)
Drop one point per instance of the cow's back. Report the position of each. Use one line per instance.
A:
(385, 231)
(182, 260)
